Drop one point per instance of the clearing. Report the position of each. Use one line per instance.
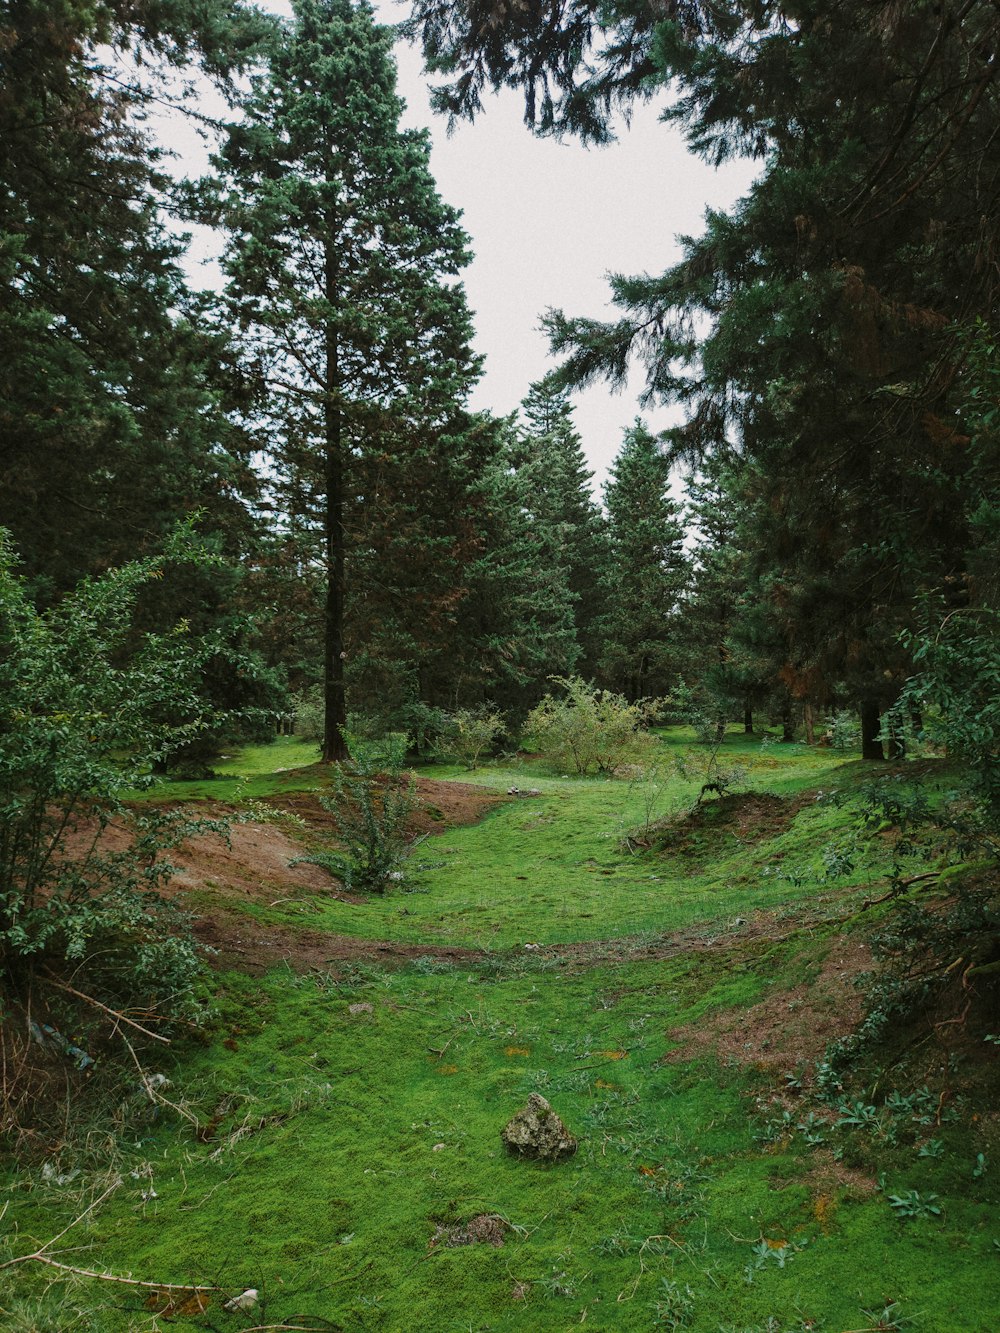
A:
(333, 1143)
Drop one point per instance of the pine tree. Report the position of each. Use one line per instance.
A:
(825, 303)
(555, 487)
(112, 416)
(645, 573)
(341, 267)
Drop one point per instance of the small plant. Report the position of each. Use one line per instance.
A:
(914, 1205)
(372, 798)
(890, 1319)
(768, 1252)
(559, 1283)
(843, 730)
(674, 1306)
(857, 1114)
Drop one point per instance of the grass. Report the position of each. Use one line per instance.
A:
(351, 1120)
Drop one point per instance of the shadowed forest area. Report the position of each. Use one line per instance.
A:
(433, 895)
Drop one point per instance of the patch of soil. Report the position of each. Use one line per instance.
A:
(486, 1229)
(440, 806)
(748, 817)
(785, 1030)
(252, 947)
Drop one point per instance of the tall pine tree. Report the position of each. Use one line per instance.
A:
(645, 571)
(569, 529)
(342, 263)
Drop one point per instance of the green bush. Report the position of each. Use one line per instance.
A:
(372, 798)
(590, 730)
(87, 709)
(468, 732)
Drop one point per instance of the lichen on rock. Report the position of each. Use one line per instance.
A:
(537, 1133)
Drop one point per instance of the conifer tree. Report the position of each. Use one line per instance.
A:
(342, 263)
(112, 414)
(567, 523)
(825, 303)
(645, 572)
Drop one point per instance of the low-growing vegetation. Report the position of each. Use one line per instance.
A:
(688, 1003)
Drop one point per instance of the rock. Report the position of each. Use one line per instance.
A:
(245, 1301)
(536, 1132)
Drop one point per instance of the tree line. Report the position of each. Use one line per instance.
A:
(831, 338)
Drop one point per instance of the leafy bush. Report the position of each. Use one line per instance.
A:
(309, 714)
(589, 730)
(372, 798)
(87, 708)
(468, 732)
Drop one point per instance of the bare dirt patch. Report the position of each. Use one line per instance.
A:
(250, 946)
(747, 817)
(789, 1029)
(485, 1229)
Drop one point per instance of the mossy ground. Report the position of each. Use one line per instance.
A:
(339, 1145)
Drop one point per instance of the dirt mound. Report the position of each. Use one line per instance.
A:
(259, 862)
(440, 806)
(747, 817)
(788, 1029)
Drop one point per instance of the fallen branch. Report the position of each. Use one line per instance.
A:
(39, 1256)
(114, 1013)
(152, 1093)
(40, 1252)
(113, 1277)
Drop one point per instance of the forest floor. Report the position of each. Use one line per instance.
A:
(669, 975)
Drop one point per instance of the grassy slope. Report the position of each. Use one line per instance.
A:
(341, 1141)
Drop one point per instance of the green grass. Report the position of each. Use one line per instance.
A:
(342, 1146)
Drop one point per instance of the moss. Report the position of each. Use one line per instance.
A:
(341, 1141)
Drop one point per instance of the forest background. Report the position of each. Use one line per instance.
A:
(367, 554)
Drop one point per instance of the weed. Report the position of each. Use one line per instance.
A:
(913, 1205)
(559, 1283)
(674, 1306)
(932, 1148)
(890, 1319)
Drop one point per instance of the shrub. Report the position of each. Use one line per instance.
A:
(590, 730)
(309, 714)
(468, 732)
(87, 709)
(372, 798)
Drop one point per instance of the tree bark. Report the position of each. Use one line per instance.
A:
(809, 720)
(334, 696)
(747, 720)
(871, 746)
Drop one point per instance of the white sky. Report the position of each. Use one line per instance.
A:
(548, 221)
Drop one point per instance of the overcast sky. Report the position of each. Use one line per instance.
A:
(548, 221)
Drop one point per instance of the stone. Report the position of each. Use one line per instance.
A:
(537, 1133)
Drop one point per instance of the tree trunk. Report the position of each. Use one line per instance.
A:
(334, 696)
(871, 746)
(787, 723)
(809, 720)
(747, 719)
